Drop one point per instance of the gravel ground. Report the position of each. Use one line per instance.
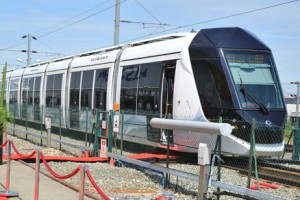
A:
(128, 183)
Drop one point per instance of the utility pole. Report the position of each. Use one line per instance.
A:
(29, 37)
(296, 145)
(117, 22)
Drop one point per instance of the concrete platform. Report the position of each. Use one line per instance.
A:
(22, 181)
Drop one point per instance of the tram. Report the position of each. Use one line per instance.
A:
(198, 76)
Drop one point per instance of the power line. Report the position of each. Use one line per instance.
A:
(72, 18)
(216, 19)
(19, 44)
(148, 11)
(75, 22)
(13, 46)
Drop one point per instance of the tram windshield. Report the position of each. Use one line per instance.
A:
(255, 79)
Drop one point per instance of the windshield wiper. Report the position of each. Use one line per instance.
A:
(253, 98)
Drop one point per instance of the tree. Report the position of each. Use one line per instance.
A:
(2, 110)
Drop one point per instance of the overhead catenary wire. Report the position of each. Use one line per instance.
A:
(148, 12)
(215, 19)
(72, 18)
(77, 21)
(154, 33)
(16, 44)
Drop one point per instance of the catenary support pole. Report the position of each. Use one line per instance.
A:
(117, 22)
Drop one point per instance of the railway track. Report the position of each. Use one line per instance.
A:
(270, 170)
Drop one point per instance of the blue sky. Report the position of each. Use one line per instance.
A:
(68, 27)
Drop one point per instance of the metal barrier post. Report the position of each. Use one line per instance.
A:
(60, 127)
(7, 192)
(26, 124)
(42, 124)
(48, 127)
(204, 162)
(14, 118)
(121, 132)
(37, 174)
(86, 126)
(110, 130)
(252, 156)
(98, 129)
(217, 151)
(82, 181)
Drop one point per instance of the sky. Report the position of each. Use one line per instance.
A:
(68, 27)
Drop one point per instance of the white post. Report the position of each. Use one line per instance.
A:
(48, 127)
(204, 162)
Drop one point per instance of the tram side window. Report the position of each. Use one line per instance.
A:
(211, 84)
(27, 98)
(36, 96)
(53, 90)
(74, 89)
(86, 88)
(5, 89)
(13, 95)
(25, 89)
(149, 87)
(129, 88)
(100, 89)
(140, 88)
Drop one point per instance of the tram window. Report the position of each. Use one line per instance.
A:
(211, 83)
(149, 87)
(86, 88)
(25, 89)
(255, 78)
(100, 89)
(129, 88)
(13, 95)
(37, 84)
(30, 91)
(36, 98)
(53, 90)
(74, 88)
(140, 88)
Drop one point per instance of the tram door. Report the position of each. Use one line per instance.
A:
(167, 100)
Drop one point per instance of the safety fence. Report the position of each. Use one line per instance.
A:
(82, 169)
(270, 148)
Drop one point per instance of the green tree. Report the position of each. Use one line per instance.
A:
(2, 108)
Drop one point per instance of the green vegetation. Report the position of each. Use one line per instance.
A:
(3, 109)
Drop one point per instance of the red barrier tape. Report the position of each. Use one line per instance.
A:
(3, 144)
(57, 175)
(96, 186)
(19, 154)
